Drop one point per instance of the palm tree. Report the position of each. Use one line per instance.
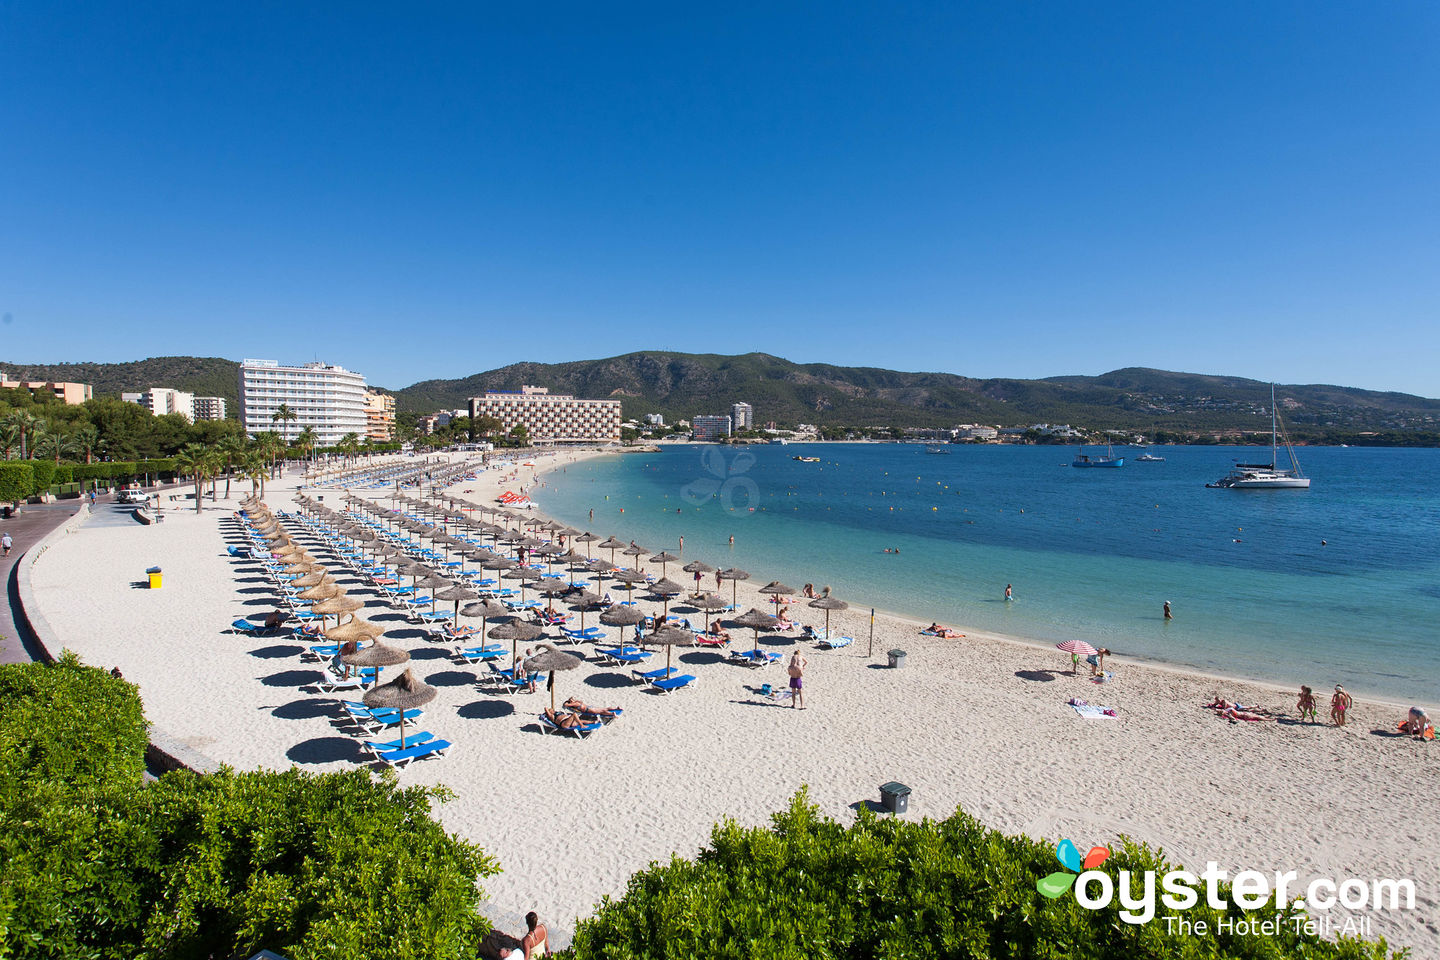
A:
(304, 442)
(53, 445)
(9, 437)
(255, 465)
(87, 441)
(349, 444)
(230, 448)
(196, 460)
(283, 414)
(26, 423)
(270, 444)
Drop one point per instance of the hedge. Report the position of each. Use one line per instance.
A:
(811, 888)
(44, 474)
(65, 473)
(99, 864)
(17, 480)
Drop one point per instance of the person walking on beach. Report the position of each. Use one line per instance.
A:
(6, 542)
(1306, 703)
(797, 680)
(1168, 614)
(1339, 703)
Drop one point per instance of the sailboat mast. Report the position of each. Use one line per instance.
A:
(1274, 447)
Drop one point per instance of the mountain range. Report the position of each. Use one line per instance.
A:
(682, 385)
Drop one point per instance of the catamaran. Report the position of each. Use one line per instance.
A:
(1267, 476)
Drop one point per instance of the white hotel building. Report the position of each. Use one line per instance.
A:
(552, 418)
(326, 398)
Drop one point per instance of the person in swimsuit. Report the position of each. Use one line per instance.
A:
(1097, 661)
(1339, 703)
(1009, 594)
(1306, 704)
(537, 939)
(1417, 722)
(1168, 615)
(797, 678)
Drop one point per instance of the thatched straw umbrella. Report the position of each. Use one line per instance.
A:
(776, 590)
(312, 579)
(485, 610)
(612, 545)
(515, 631)
(734, 575)
(621, 616)
(710, 603)
(405, 692)
(432, 582)
(457, 593)
(377, 655)
(637, 552)
(586, 601)
(337, 606)
(665, 589)
(663, 558)
(524, 575)
(549, 660)
(355, 629)
(586, 537)
(323, 591)
(827, 603)
(756, 620)
(671, 637)
(698, 567)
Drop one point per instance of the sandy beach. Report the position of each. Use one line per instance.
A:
(980, 723)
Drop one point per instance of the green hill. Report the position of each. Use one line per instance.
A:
(203, 376)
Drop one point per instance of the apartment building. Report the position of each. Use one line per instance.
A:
(552, 418)
(379, 416)
(326, 398)
(71, 393)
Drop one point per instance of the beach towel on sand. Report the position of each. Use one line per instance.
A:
(1092, 712)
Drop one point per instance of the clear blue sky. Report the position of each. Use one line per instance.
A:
(993, 189)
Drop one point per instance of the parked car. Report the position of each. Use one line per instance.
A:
(132, 496)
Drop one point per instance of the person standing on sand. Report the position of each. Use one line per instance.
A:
(797, 680)
(1306, 703)
(1339, 703)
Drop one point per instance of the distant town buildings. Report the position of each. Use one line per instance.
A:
(975, 431)
(742, 416)
(71, 393)
(163, 400)
(707, 427)
(551, 418)
(655, 419)
(379, 416)
(330, 400)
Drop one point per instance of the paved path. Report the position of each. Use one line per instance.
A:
(32, 524)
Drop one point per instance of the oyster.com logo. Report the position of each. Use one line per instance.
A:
(723, 481)
(1059, 883)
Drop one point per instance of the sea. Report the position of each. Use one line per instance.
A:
(1339, 583)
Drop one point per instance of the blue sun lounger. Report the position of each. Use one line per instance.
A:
(623, 656)
(245, 627)
(650, 676)
(671, 684)
(584, 729)
(753, 658)
(389, 746)
(835, 643)
(399, 758)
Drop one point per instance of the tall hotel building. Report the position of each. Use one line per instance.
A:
(328, 399)
(554, 419)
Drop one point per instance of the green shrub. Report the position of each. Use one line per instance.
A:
(44, 475)
(810, 888)
(17, 480)
(67, 723)
(65, 473)
(98, 864)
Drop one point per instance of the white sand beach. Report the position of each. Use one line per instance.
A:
(980, 723)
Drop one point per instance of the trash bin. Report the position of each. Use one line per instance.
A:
(897, 658)
(154, 573)
(894, 796)
(6, 512)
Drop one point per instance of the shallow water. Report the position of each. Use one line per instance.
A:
(1091, 553)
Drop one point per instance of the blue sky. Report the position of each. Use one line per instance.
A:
(1002, 189)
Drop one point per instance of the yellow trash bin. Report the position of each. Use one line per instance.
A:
(154, 574)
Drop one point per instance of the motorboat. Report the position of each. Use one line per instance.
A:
(1267, 476)
(1109, 460)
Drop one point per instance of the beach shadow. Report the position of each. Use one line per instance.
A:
(291, 678)
(486, 710)
(451, 678)
(277, 652)
(306, 709)
(700, 658)
(1039, 676)
(878, 666)
(262, 602)
(429, 653)
(251, 580)
(608, 681)
(325, 750)
(776, 642)
(254, 590)
(874, 806)
(1388, 734)
(763, 703)
(139, 584)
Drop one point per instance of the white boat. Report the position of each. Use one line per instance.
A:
(1109, 460)
(1267, 476)
(1148, 457)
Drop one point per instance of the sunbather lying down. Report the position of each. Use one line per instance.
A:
(1221, 704)
(580, 706)
(948, 633)
(1231, 713)
(565, 721)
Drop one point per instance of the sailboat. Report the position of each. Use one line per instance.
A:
(1267, 476)
(1109, 460)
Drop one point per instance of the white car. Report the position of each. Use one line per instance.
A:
(132, 496)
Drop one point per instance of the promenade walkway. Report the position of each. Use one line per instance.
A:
(28, 528)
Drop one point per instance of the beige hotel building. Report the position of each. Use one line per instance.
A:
(552, 418)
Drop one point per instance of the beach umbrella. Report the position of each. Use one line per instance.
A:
(524, 575)
(665, 589)
(584, 602)
(549, 660)
(1076, 649)
(337, 606)
(377, 655)
(433, 582)
(485, 609)
(663, 558)
(322, 591)
(515, 631)
(734, 575)
(756, 620)
(776, 590)
(710, 603)
(586, 537)
(457, 593)
(405, 692)
(612, 545)
(312, 579)
(354, 629)
(671, 637)
(621, 616)
(828, 603)
(636, 551)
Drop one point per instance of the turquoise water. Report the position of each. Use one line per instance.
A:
(1091, 553)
